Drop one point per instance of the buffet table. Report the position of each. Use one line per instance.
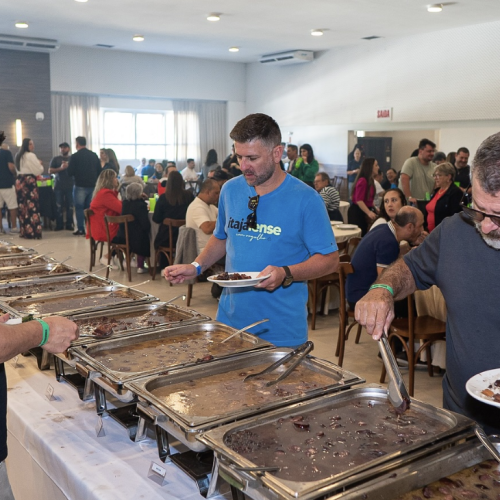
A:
(54, 452)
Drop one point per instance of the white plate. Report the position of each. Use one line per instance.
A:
(239, 283)
(336, 223)
(481, 381)
(346, 226)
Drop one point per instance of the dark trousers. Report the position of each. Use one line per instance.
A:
(64, 204)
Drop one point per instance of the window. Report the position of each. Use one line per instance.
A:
(135, 135)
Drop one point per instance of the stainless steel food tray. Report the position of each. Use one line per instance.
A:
(266, 486)
(14, 262)
(420, 472)
(24, 288)
(36, 272)
(136, 296)
(112, 381)
(186, 428)
(8, 249)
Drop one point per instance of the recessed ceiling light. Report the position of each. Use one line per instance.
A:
(81, 1)
(21, 25)
(213, 17)
(435, 8)
(138, 38)
(234, 49)
(317, 32)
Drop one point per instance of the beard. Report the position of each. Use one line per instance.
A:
(261, 178)
(492, 239)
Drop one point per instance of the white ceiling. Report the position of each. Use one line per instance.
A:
(258, 27)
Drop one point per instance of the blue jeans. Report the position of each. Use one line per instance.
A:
(83, 196)
(64, 203)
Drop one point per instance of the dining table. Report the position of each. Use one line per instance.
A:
(343, 208)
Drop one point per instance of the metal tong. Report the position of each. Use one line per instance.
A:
(486, 442)
(59, 264)
(244, 329)
(396, 389)
(300, 353)
(40, 256)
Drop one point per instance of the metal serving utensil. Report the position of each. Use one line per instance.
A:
(183, 297)
(40, 256)
(256, 469)
(86, 275)
(143, 283)
(396, 389)
(59, 264)
(486, 441)
(300, 353)
(243, 329)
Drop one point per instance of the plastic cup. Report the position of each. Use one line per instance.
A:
(145, 177)
(152, 204)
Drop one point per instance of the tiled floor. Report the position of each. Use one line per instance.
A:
(361, 358)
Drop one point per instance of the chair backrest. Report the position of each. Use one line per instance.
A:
(345, 268)
(342, 246)
(118, 219)
(352, 245)
(88, 213)
(171, 223)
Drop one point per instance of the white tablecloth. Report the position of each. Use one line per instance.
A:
(344, 207)
(54, 453)
(345, 234)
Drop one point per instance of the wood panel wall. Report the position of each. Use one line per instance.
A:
(24, 91)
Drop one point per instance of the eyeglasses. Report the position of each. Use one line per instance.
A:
(253, 203)
(477, 216)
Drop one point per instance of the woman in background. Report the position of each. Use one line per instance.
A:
(210, 164)
(362, 212)
(392, 201)
(29, 167)
(138, 229)
(129, 177)
(306, 167)
(353, 166)
(108, 160)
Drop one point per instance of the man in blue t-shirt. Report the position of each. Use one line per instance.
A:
(380, 248)
(287, 235)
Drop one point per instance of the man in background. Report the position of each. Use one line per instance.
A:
(292, 153)
(85, 167)
(329, 194)
(8, 175)
(417, 179)
(189, 174)
(63, 189)
(149, 169)
(463, 169)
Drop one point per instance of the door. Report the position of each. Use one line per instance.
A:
(379, 148)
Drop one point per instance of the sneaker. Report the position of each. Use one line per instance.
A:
(141, 270)
(15, 230)
(79, 233)
(133, 262)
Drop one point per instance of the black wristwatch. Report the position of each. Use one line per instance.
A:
(288, 277)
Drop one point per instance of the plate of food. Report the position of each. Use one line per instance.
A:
(485, 387)
(237, 280)
(346, 226)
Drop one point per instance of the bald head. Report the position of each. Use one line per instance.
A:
(409, 223)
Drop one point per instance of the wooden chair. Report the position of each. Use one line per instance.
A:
(345, 313)
(319, 286)
(122, 250)
(416, 328)
(94, 245)
(169, 251)
(352, 244)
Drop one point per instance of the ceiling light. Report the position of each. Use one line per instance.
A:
(19, 132)
(213, 17)
(435, 8)
(317, 32)
(21, 24)
(138, 38)
(81, 1)
(234, 49)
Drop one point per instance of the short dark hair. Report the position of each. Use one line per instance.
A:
(463, 150)
(189, 160)
(324, 176)
(292, 146)
(486, 164)
(406, 215)
(439, 156)
(64, 145)
(2, 136)
(257, 126)
(152, 161)
(425, 142)
(208, 185)
(172, 162)
(81, 141)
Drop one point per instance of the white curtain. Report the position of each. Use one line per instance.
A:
(73, 116)
(199, 126)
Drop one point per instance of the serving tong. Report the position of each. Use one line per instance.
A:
(396, 389)
(487, 443)
(300, 353)
(242, 330)
(59, 264)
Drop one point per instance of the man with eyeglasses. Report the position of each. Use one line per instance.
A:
(461, 257)
(265, 224)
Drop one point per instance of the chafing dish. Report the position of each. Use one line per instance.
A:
(190, 401)
(43, 286)
(449, 429)
(8, 249)
(185, 346)
(12, 262)
(81, 300)
(41, 270)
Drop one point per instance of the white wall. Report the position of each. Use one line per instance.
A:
(113, 72)
(447, 80)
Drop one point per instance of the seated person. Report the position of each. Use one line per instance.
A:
(202, 213)
(127, 179)
(329, 194)
(149, 169)
(139, 228)
(154, 179)
(189, 174)
(380, 248)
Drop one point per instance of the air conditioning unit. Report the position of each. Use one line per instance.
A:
(290, 57)
(27, 43)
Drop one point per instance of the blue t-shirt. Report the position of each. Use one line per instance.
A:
(293, 225)
(379, 246)
(148, 170)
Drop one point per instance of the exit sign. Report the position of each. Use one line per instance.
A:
(384, 114)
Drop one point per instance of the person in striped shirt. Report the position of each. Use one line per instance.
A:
(329, 194)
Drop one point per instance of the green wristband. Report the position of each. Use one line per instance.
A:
(381, 285)
(46, 331)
